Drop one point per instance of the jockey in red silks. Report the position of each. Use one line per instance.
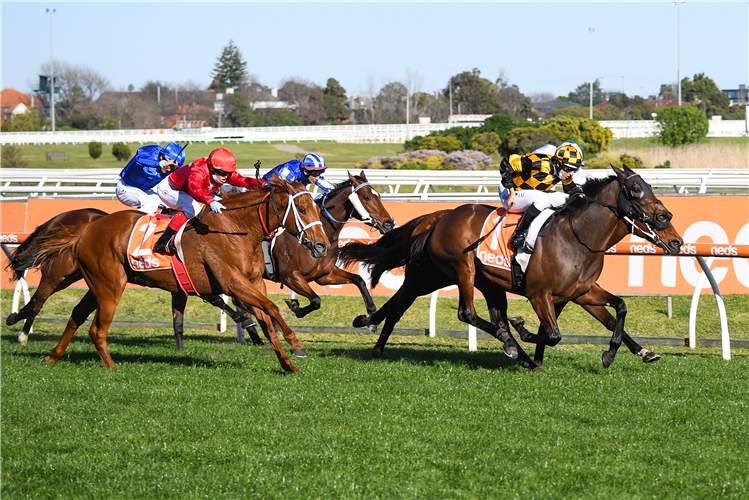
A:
(188, 188)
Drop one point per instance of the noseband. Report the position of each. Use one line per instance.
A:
(630, 209)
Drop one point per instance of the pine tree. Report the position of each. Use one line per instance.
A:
(230, 69)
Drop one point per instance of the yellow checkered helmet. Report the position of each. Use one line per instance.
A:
(569, 157)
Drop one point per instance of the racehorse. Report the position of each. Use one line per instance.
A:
(352, 198)
(54, 277)
(222, 253)
(564, 267)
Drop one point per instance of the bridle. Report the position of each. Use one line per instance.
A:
(630, 209)
(359, 212)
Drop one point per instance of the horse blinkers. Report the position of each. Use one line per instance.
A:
(631, 197)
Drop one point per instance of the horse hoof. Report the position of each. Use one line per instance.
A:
(650, 357)
(372, 328)
(46, 361)
(377, 353)
(258, 342)
(605, 361)
(516, 321)
(247, 324)
(360, 321)
(299, 352)
(292, 303)
(538, 369)
(510, 350)
(23, 338)
(12, 319)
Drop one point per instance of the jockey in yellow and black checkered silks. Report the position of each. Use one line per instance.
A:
(529, 181)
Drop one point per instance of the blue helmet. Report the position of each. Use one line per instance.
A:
(313, 163)
(174, 151)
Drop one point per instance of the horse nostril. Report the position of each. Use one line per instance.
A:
(388, 224)
(676, 245)
(321, 249)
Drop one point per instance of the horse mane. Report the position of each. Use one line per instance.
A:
(591, 189)
(338, 187)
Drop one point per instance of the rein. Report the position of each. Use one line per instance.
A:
(359, 209)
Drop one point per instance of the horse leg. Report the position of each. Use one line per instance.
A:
(465, 272)
(239, 316)
(300, 285)
(261, 305)
(81, 311)
(497, 304)
(179, 301)
(604, 316)
(600, 297)
(339, 276)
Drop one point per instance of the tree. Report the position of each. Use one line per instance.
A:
(668, 91)
(120, 151)
(308, 99)
(28, 121)
(704, 94)
(680, 125)
(11, 157)
(515, 104)
(79, 86)
(334, 101)
(473, 94)
(94, 149)
(581, 94)
(230, 69)
(391, 102)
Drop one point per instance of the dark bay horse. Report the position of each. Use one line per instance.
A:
(222, 253)
(564, 267)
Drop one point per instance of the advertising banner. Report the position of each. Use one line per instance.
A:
(720, 220)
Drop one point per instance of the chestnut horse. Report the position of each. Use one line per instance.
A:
(222, 253)
(56, 275)
(564, 267)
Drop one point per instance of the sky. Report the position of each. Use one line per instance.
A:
(538, 46)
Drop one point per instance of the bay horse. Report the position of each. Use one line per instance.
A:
(222, 253)
(564, 267)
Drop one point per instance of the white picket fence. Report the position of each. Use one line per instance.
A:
(396, 133)
(394, 185)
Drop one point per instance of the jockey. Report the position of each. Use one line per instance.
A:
(528, 182)
(144, 171)
(308, 171)
(188, 188)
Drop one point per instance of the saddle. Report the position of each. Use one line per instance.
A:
(520, 260)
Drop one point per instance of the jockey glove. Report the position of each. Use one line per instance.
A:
(216, 206)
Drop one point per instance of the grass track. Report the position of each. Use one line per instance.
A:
(429, 420)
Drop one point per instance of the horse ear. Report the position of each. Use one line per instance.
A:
(619, 172)
(362, 175)
(351, 177)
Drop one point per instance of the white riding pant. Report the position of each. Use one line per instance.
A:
(524, 198)
(145, 201)
(178, 200)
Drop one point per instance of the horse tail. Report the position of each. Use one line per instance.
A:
(54, 243)
(381, 258)
(26, 255)
(399, 234)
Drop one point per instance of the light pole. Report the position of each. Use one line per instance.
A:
(678, 48)
(52, 83)
(591, 30)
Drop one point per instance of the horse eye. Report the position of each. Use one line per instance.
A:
(366, 197)
(303, 211)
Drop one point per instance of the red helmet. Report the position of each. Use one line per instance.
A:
(222, 159)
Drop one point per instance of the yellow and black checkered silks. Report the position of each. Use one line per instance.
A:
(569, 156)
(534, 171)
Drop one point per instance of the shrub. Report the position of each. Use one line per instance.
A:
(633, 161)
(94, 149)
(430, 159)
(120, 151)
(467, 160)
(10, 157)
(446, 144)
(679, 125)
(486, 142)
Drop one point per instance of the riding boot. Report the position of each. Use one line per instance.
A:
(521, 232)
(165, 245)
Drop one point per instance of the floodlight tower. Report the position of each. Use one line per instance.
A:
(52, 83)
(591, 30)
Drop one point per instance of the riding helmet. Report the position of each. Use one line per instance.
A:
(174, 151)
(313, 163)
(222, 159)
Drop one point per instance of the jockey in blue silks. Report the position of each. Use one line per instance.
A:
(144, 171)
(308, 171)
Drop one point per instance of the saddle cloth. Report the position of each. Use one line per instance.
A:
(495, 250)
(146, 233)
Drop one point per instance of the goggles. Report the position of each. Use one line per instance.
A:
(220, 172)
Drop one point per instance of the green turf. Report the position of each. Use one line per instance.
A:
(337, 155)
(429, 420)
(646, 316)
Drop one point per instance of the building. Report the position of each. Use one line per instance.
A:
(737, 96)
(13, 102)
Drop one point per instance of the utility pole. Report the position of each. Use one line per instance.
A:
(678, 48)
(52, 83)
(591, 30)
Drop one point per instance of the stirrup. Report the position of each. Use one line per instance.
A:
(167, 248)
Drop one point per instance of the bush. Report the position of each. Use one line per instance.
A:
(447, 144)
(430, 159)
(94, 149)
(120, 151)
(679, 125)
(633, 161)
(486, 142)
(10, 157)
